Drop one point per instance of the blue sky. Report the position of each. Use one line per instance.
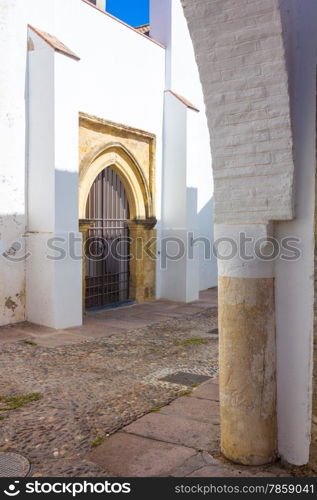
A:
(133, 12)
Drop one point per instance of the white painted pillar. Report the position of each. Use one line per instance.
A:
(12, 163)
(179, 259)
(53, 277)
(294, 286)
(247, 348)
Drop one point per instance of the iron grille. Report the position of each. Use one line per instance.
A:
(107, 246)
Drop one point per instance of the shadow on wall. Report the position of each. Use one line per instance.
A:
(22, 249)
(12, 268)
(54, 267)
(187, 263)
(201, 224)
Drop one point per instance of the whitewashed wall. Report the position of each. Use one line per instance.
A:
(120, 78)
(53, 285)
(169, 26)
(12, 160)
(240, 46)
(240, 52)
(295, 281)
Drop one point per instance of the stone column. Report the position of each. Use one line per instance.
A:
(84, 225)
(143, 259)
(247, 345)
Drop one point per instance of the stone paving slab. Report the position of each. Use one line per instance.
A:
(106, 322)
(170, 443)
(8, 336)
(126, 455)
(203, 410)
(177, 430)
(187, 379)
(209, 390)
(28, 327)
(215, 471)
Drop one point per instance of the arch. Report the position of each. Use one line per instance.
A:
(241, 103)
(118, 157)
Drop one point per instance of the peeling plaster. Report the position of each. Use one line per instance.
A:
(10, 304)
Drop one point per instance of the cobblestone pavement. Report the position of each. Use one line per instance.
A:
(94, 387)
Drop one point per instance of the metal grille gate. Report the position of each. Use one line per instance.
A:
(107, 247)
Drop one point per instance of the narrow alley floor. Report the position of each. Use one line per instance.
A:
(180, 440)
(95, 401)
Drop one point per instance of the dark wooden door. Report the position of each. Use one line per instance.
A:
(107, 248)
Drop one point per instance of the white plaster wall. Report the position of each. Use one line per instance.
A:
(120, 78)
(175, 155)
(66, 143)
(12, 162)
(161, 30)
(169, 26)
(294, 280)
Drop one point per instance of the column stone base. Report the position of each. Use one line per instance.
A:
(143, 259)
(247, 369)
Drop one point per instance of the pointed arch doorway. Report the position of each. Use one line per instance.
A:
(130, 154)
(107, 245)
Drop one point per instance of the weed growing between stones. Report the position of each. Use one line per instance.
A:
(9, 403)
(98, 441)
(193, 341)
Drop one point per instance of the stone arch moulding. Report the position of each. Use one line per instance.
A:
(130, 151)
(118, 157)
